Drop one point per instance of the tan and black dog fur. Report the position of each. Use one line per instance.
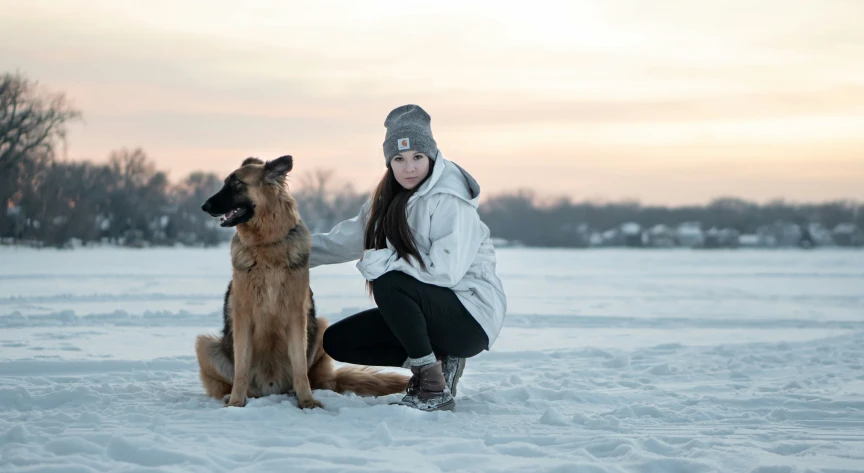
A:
(271, 342)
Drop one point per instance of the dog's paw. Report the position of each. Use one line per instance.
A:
(309, 403)
(235, 403)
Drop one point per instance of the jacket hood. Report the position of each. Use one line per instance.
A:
(449, 178)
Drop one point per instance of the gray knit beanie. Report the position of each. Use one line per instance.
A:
(408, 129)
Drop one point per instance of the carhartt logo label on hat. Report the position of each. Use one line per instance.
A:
(404, 144)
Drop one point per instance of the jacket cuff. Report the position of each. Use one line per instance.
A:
(370, 265)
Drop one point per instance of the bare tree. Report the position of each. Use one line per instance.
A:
(32, 127)
(323, 202)
(189, 224)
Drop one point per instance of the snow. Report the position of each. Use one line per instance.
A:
(610, 361)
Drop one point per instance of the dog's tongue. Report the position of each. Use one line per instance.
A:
(229, 214)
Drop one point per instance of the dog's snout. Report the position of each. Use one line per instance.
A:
(207, 206)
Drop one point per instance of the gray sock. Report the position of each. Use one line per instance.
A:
(430, 358)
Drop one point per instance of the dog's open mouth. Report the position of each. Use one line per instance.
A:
(232, 217)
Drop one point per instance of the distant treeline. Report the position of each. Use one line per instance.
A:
(53, 201)
(522, 217)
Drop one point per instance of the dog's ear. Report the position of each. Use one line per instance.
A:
(278, 168)
(251, 161)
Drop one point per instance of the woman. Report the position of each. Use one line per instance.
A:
(428, 261)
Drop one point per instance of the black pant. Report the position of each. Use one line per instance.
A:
(413, 319)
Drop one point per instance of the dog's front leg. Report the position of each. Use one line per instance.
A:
(242, 357)
(299, 367)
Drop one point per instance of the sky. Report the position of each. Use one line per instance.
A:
(668, 102)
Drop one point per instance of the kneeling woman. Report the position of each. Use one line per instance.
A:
(427, 257)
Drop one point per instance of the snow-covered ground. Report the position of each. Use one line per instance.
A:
(610, 361)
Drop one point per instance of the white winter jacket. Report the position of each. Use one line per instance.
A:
(452, 240)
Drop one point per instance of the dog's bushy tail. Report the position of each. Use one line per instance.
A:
(366, 381)
(361, 380)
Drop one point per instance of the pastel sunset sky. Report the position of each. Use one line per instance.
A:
(665, 101)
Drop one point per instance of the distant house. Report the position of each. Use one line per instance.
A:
(757, 240)
(848, 234)
(661, 236)
(721, 238)
(820, 235)
(788, 234)
(782, 233)
(751, 240)
(690, 235)
(577, 234)
(633, 235)
(612, 237)
(767, 236)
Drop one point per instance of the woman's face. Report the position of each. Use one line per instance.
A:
(410, 168)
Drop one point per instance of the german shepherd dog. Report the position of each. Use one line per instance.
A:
(271, 339)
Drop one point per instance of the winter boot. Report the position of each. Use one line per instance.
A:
(452, 368)
(427, 390)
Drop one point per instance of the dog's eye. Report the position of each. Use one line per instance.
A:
(237, 184)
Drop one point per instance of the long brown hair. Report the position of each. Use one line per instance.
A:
(388, 218)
